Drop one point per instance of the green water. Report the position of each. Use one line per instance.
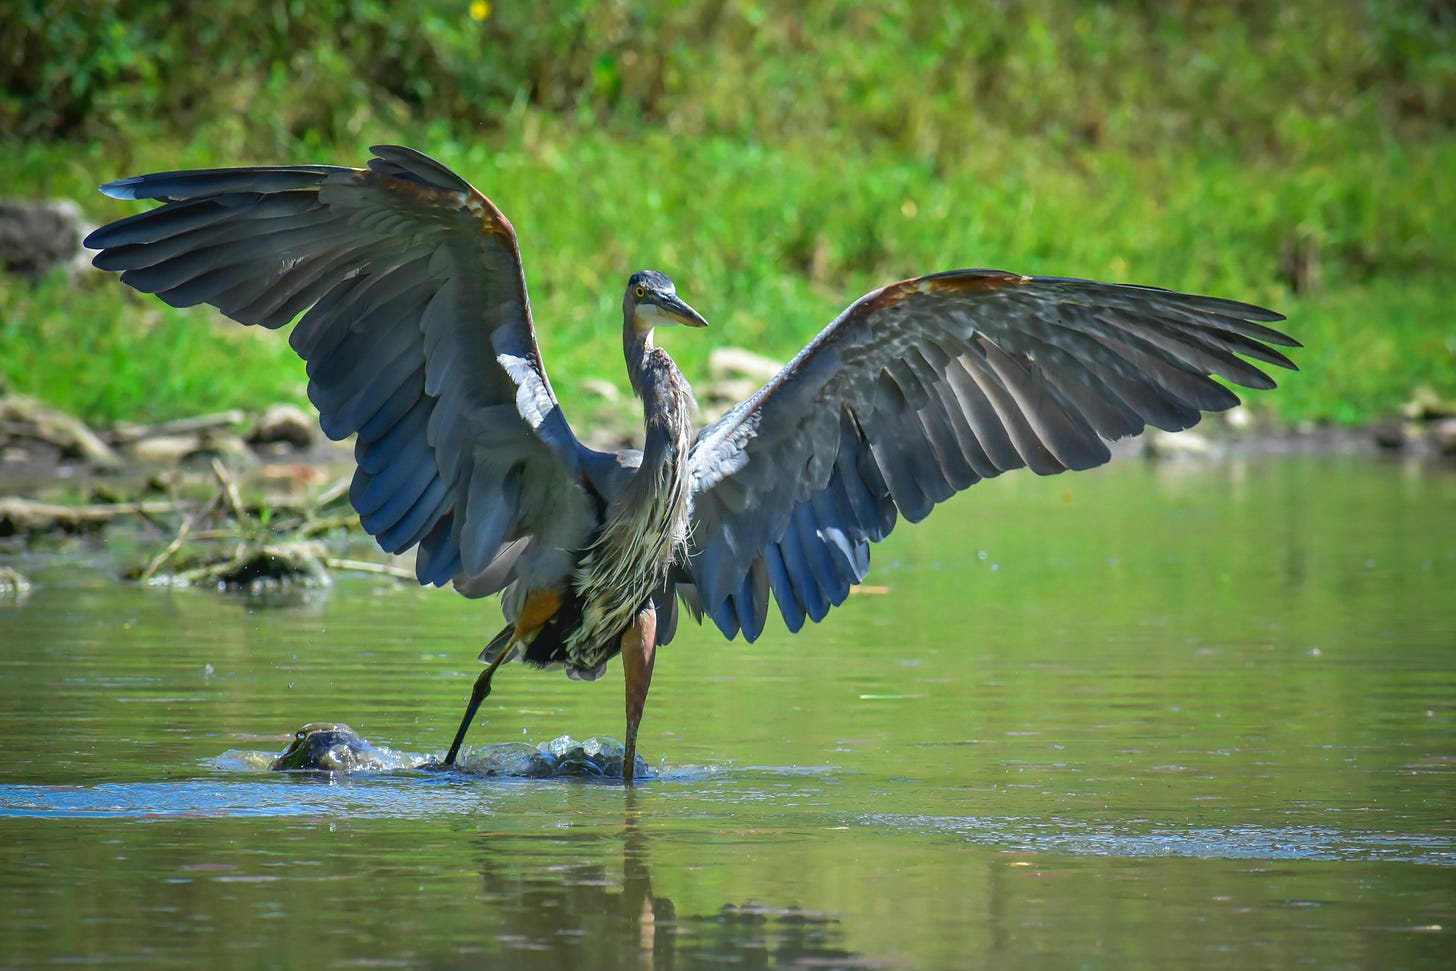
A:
(1185, 715)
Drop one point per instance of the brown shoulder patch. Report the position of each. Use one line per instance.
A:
(965, 281)
(492, 221)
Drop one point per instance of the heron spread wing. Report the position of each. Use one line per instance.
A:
(920, 390)
(417, 335)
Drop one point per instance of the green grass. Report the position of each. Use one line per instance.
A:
(779, 167)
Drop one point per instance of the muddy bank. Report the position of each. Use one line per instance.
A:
(249, 500)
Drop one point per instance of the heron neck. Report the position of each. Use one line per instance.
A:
(636, 348)
(667, 401)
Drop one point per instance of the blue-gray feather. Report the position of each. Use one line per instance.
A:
(416, 331)
(923, 388)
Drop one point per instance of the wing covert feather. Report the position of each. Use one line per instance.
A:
(417, 334)
(925, 387)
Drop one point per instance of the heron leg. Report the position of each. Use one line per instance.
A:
(539, 607)
(477, 694)
(639, 651)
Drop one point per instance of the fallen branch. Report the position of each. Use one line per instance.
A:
(26, 417)
(19, 515)
(228, 488)
(315, 526)
(126, 433)
(182, 531)
(338, 490)
(253, 564)
(365, 566)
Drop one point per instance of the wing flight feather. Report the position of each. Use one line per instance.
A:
(418, 337)
(925, 387)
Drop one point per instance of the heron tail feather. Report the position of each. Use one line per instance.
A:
(498, 644)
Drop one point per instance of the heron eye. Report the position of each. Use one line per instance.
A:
(641, 291)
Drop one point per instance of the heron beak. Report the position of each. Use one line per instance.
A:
(676, 311)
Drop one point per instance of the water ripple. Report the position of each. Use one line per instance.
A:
(1236, 842)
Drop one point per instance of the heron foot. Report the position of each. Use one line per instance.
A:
(629, 756)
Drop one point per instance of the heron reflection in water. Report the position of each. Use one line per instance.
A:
(418, 338)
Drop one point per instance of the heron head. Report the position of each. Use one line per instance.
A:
(652, 301)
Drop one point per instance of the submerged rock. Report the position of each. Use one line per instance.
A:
(284, 424)
(1443, 436)
(335, 747)
(599, 757)
(14, 585)
(331, 747)
(515, 759)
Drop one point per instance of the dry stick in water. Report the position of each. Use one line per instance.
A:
(182, 532)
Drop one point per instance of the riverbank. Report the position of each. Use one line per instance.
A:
(258, 502)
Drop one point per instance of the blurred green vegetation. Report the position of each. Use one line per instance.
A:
(777, 163)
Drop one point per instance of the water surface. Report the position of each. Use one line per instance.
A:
(1182, 715)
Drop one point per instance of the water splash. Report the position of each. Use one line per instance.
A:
(329, 747)
(598, 757)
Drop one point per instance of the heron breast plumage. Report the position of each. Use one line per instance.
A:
(645, 530)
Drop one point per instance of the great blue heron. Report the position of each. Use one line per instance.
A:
(418, 338)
